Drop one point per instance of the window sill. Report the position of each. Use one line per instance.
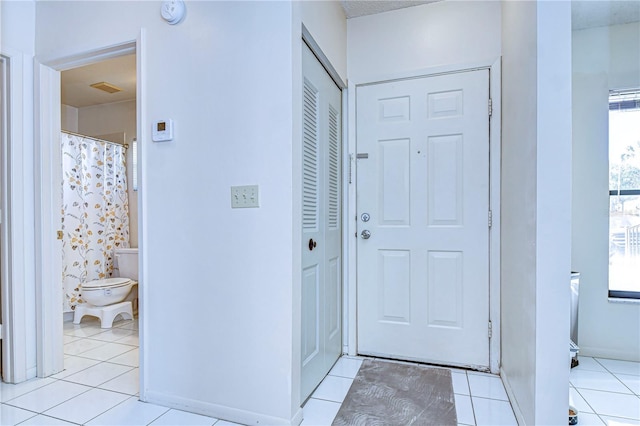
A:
(624, 301)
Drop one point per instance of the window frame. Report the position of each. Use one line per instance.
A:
(622, 100)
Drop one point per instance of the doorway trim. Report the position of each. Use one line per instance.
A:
(495, 78)
(49, 346)
(16, 227)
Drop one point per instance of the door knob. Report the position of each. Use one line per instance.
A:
(366, 234)
(312, 244)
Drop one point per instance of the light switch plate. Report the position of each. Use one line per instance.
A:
(244, 196)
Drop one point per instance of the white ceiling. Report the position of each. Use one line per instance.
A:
(76, 87)
(590, 14)
(355, 8)
(76, 90)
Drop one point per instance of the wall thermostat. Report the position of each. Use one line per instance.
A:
(162, 131)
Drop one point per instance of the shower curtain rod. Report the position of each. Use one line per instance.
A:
(126, 145)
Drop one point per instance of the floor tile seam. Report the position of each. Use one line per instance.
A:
(108, 409)
(86, 368)
(114, 391)
(473, 409)
(126, 337)
(126, 372)
(482, 374)
(32, 390)
(158, 416)
(624, 384)
(587, 402)
(607, 391)
(66, 400)
(462, 394)
(341, 376)
(327, 400)
(108, 359)
(35, 413)
(82, 337)
(489, 398)
(59, 418)
(86, 350)
(105, 342)
(615, 417)
(614, 373)
(99, 384)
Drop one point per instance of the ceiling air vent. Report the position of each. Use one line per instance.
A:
(106, 87)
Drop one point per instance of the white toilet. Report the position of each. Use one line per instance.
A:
(111, 297)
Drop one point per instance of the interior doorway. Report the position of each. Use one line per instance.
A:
(99, 127)
(49, 79)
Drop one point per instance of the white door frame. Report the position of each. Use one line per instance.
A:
(494, 67)
(17, 214)
(48, 173)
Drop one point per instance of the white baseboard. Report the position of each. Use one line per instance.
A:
(609, 353)
(512, 399)
(219, 411)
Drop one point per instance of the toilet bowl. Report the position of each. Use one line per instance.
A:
(105, 298)
(107, 291)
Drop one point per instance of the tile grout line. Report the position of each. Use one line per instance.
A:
(473, 407)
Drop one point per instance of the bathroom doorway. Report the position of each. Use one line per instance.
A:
(51, 337)
(98, 122)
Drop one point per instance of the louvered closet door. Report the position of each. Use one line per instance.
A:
(321, 225)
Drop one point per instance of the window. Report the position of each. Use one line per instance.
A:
(624, 194)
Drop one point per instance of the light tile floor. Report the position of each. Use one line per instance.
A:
(606, 392)
(99, 386)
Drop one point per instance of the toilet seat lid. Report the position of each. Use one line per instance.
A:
(108, 282)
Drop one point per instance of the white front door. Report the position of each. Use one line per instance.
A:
(321, 223)
(423, 203)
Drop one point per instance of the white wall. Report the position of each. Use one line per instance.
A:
(69, 118)
(109, 118)
(327, 23)
(536, 177)
(409, 40)
(518, 199)
(603, 58)
(17, 35)
(217, 308)
(17, 22)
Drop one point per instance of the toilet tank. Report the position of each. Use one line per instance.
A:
(127, 262)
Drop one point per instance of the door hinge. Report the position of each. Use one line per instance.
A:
(490, 329)
(490, 218)
(490, 107)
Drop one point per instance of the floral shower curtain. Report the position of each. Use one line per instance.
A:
(95, 211)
